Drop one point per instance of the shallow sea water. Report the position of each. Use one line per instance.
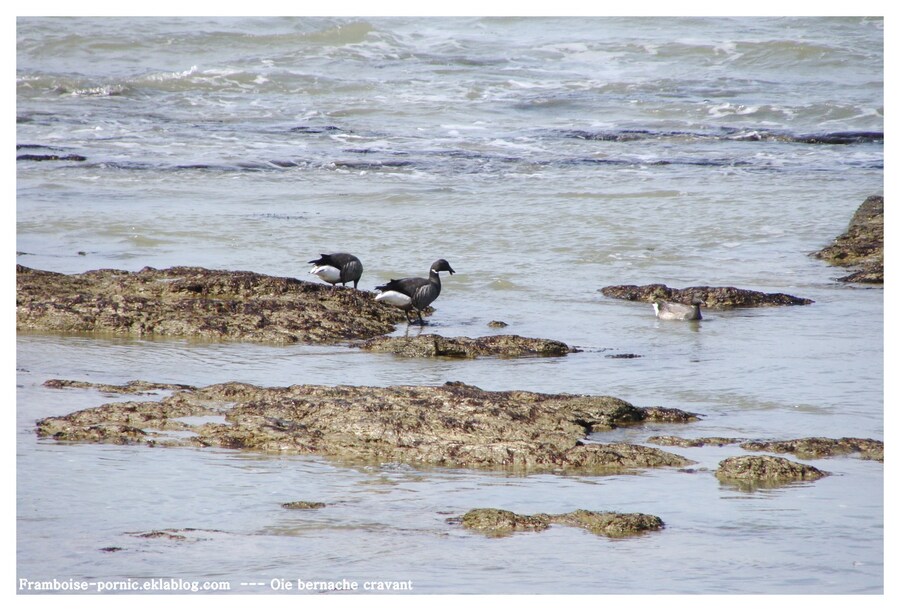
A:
(545, 159)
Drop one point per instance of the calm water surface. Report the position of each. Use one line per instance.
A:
(545, 159)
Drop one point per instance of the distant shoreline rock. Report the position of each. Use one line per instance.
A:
(862, 245)
(723, 297)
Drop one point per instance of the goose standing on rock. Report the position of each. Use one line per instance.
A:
(414, 293)
(677, 311)
(338, 267)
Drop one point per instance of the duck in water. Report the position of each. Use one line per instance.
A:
(666, 310)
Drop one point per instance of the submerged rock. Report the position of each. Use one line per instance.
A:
(454, 425)
(430, 345)
(807, 447)
(766, 470)
(862, 245)
(499, 522)
(721, 297)
(699, 442)
(609, 523)
(199, 303)
(178, 534)
(134, 387)
(303, 505)
(820, 447)
(51, 157)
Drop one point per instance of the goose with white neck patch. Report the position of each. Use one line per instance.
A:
(414, 293)
(338, 267)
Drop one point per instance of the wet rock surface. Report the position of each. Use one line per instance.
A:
(806, 448)
(303, 505)
(134, 387)
(766, 470)
(198, 303)
(431, 345)
(177, 534)
(862, 245)
(454, 425)
(699, 442)
(821, 447)
(714, 297)
(499, 522)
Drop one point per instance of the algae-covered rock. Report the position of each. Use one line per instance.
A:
(178, 534)
(699, 442)
(820, 447)
(608, 523)
(134, 387)
(499, 522)
(303, 505)
(807, 447)
(104, 432)
(430, 345)
(198, 303)
(713, 297)
(454, 425)
(769, 470)
(862, 245)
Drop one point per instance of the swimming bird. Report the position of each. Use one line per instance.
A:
(414, 293)
(338, 267)
(665, 310)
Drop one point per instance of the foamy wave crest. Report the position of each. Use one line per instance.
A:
(170, 76)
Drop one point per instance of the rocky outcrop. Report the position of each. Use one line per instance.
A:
(198, 303)
(134, 387)
(862, 245)
(715, 297)
(699, 442)
(303, 505)
(765, 471)
(821, 447)
(454, 425)
(499, 522)
(806, 448)
(431, 345)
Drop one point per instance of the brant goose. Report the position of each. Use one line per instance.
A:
(414, 293)
(677, 311)
(339, 267)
